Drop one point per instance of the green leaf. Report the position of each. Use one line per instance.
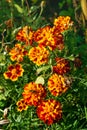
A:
(64, 13)
(19, 9)
(2, 57)
(69, 1)
(85, 112)
(33, 9)
(34, 1)
(2, 97)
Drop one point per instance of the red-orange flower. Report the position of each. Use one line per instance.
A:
(40, 36)
(49, 111)
(22, 105)
(25, 35)
(62, 66)
(33, 93)
(18, 52)
(58, 84)
(46, 36)
(14, 71)
(39, 55)
(62, 23)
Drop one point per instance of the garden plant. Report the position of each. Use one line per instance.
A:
(43, 65)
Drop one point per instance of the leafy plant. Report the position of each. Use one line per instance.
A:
(43, 69)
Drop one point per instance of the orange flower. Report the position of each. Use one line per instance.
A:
(18, 52)
(22, 105)
(25, 35)
(47, 37)
(55, 40)
(59, 43)
(62, 23)
(39, 55)
(14, 71)
(40, 36)
(58, 84)
(49, 111)
(33, 93)
(62, 66)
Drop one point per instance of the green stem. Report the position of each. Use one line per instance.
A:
(44, 68)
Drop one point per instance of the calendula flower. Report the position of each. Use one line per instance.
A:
(39, 55)
(22, 105)
(62, 66)
(46, 37)
(18, 52)
(33, 93)
(25, 35)
(49, 111)
(14, 71)
(62, 23)
(58, 84)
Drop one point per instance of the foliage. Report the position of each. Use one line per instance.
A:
(15, 15)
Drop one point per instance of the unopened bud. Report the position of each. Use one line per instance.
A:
(42, 4)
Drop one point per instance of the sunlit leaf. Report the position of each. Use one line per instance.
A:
(19, 9)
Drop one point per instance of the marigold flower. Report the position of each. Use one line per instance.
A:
(25, 35)
(14, 71)
(22, 105)
(47, 37)
(18, 52)
(33, 93)
(49, 111)
(55, 40)
(59, 43)
(58, 84)
(62, 23)
(40, 36)
(39, 55)
(62, 66)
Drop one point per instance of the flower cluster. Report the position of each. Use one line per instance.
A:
(38, 46)
(47, 36)
(33, 93)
